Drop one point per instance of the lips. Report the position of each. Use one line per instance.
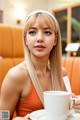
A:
(39, 47)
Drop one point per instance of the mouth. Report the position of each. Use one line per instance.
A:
(39, 47)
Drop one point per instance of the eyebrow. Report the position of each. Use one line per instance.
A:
(43, 28)
(33, 28)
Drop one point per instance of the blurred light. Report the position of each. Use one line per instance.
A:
(72, 47)
(19, 13)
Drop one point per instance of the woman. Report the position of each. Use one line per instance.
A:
(23, 86)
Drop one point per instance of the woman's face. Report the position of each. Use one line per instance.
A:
(40, 38)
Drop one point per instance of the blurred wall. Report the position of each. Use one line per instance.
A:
(9, 7)
(10, 14)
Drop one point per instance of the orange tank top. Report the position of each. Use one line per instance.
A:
(29, 104)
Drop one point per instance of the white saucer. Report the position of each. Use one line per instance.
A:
(40, 115)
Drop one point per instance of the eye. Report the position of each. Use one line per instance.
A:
(32, 32)
(48, 32)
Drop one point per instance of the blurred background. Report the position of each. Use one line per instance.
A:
(67, 12)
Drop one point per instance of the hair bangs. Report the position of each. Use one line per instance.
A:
(48, 21)
(30, 22)
(44, 19)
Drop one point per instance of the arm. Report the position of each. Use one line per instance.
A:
(77, 101)
(9, 92)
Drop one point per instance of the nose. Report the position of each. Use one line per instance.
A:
(40, 37)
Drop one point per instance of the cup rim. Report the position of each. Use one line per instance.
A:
(50, 92)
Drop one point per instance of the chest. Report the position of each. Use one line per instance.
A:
(45, 81)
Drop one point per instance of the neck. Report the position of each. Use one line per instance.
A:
(40, 64)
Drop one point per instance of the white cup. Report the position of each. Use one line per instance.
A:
(56, 105)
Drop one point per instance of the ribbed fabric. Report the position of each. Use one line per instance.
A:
(29, 104)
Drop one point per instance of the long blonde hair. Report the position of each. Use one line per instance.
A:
(55, 54)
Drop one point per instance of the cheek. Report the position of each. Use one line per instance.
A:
(29, 43)
(51, 44)
(53, 41)
(28, 40)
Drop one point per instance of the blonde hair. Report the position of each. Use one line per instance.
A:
(55, 54)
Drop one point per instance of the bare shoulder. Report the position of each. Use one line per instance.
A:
(64, 72)
(15, 78)
(17, 73)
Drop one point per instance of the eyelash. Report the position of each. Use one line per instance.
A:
(48, 32)
(34, 32)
